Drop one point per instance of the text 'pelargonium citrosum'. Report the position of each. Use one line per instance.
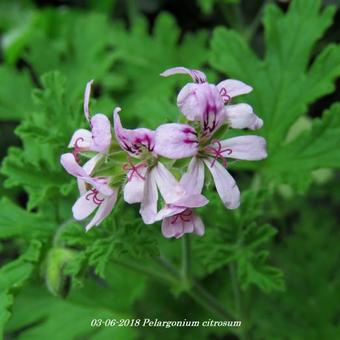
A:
(134, 161)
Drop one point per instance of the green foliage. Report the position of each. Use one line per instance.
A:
(285, 83)
(55, 278)
(309, 259)
(20, 84)
(45, 135)
(13, 275)
(241, 241)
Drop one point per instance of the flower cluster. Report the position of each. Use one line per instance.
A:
(138, 161)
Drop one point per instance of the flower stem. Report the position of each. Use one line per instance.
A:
(174, 277)
(131, 264)
(236, 291)
(186, 258)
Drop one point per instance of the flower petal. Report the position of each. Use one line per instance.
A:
(104, 210)
(203, 103)
(70, 164)
(167, 184)
(88, 167)
(176, 141)
(148, 207)
(132, 141)
(87, 100)
(101, 132)
(72, 167)
(191, 201)
(84, 206)
(134, 188)
(249, 148)
(241, 116)
(169, 210)
(193, 180)
(199, 228)
(81, 139)
(182, 223)
(196, 75)
(225, 184)
(231, 88)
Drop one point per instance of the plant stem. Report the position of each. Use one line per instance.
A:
(237, 299)
(186, 258)
(59, 231)
(236, 291)
(203, 297)
(138, 267)
(253, 27)
(132, 11)
(196, 291)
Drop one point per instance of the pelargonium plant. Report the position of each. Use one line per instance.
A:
(141, 162)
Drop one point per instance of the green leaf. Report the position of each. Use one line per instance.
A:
(75, 314)
(6, 301)
(45, 135)
(143, 57)
(12, 276)
(16, 222)
(76, 41)
(288, 79)
(283, 83)
(18, 85)
(313, 149)
(15, 273)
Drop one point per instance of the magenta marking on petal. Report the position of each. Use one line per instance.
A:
(94, 194)
(190, 141)
(189, 130)
(217, 152)
(77, 149)
(185, 216)
(134, 169)
(223, 92)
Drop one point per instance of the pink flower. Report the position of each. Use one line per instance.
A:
(99, 138)
(179, 217)
(204, 102)
(245, 148)
(148, 176)
(98, 197)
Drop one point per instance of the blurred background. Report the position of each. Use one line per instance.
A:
(273, 263)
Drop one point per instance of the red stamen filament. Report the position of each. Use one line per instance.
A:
(77, 148)
(217, 152)
(224, 95)
(134, 169)
(94, 193)
(185, 216)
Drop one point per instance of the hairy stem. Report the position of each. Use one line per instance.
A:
(173, 277)
(186, 258)
(138, 267)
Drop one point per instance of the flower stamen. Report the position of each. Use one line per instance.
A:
(217, 152)
(185, 216)
(223, 92)
(77, 149)
(134, 169)
(94, 194)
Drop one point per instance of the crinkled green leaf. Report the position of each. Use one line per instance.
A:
(38, 315)
(12, 276)
(45, 135)
(18, 85)
(6, 301)
(15, 273)
(288, 79)
(315, 148)
(16, 222)
(143, 57)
